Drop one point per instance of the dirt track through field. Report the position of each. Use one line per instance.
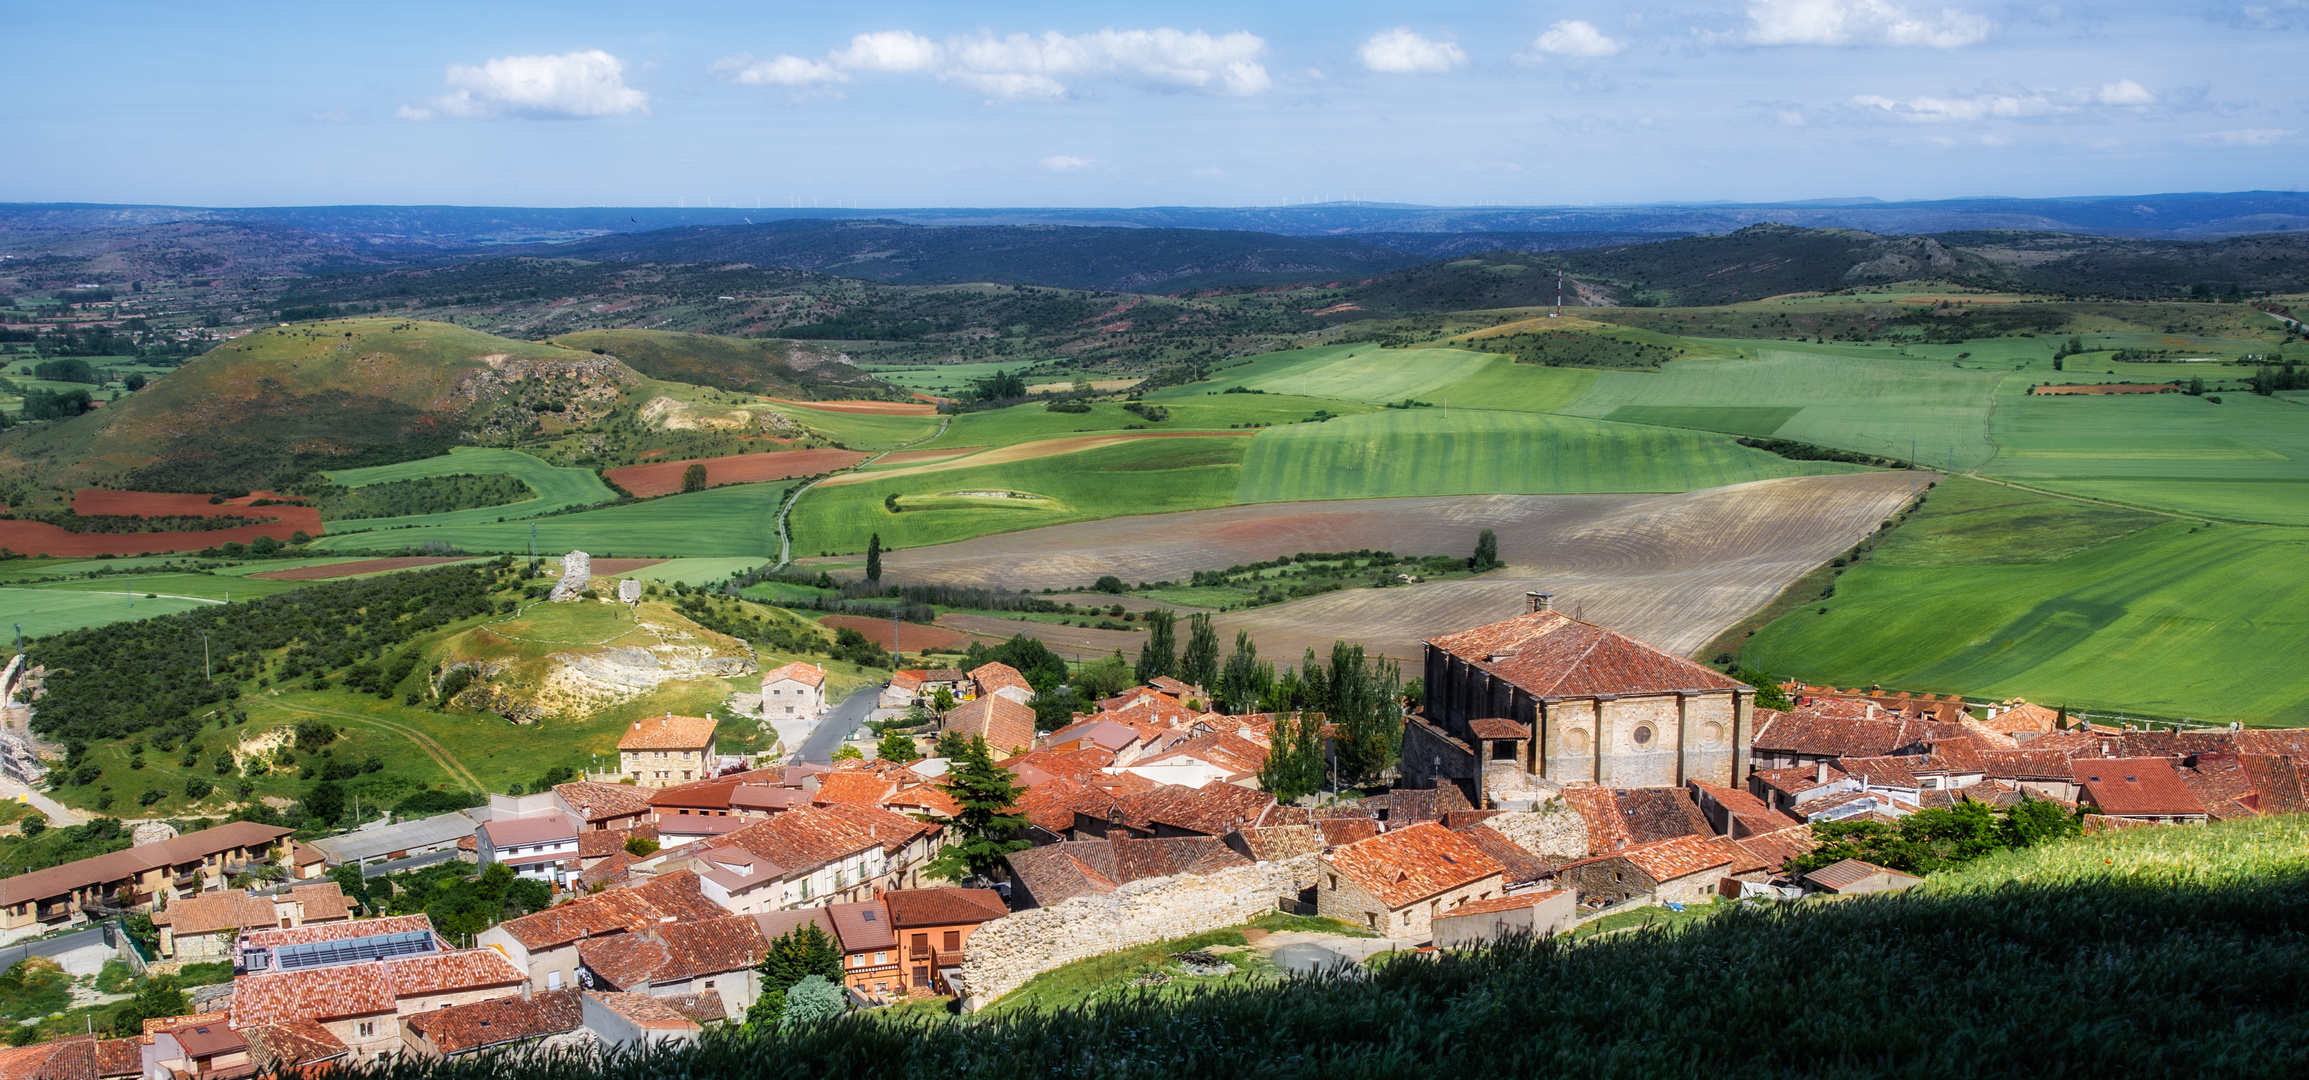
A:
(1673, 570)
(1003, 455)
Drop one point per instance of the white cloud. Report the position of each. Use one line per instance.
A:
(1571, 37)
(888, 50)
(2251, 137)
(1790, 118)
(2006, 105)
(1045, 67)
(1403, 52)
(790, 71)
(578, 84)
(2125, 92)
(1066, 163)
(1862, 22)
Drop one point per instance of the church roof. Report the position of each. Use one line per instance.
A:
(1552, 655)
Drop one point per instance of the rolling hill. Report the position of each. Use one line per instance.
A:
(772, 366)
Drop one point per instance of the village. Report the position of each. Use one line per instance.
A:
(1551, 773)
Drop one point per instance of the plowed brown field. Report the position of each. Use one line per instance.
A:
(1072, 642)
(878, 408)
(41, 538)
(1003, 455)
(664, 477)
(1673, 570)
(910, 637)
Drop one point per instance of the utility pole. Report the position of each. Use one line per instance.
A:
(204, 668)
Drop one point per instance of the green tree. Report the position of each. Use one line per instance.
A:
(156, 998)
(814, 1000)
(1295, 761)
(1159, 657)
(1244, 682)
(640, 846)
(1486, 552)
(1110, 585)
(1367, 712)
(942, 701)
(1104, 677)
(803, 953)
(2038, 821)
(953, 745)
(693, 478)
(1768, 692)
(325, 802)
(874, 558)
(1200, 665)
(896, 747)
(352, 884)
(985, 827)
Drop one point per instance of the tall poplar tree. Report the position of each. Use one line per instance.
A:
(1200, 665)
(1160, 655)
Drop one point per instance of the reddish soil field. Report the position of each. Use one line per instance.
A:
(878, 408)
(614, 567)
(664, 477)
(364, 566)
(2104, 388)
(911, 637)
(1071, 642)
(40, 538)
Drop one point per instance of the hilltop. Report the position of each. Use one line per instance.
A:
(772, 366)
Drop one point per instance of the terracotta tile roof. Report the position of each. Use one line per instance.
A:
(1050, 806)
(2223, 785)
(942, 907)
(645, 1011)
(1109, 735)
(1798, 779)
(154, 1025)
(1072, 764)
(863, 926)
(207, 913)
(2070, 742)
(1493, 727)
(806, 674)
(668, 732)
(1774, 849)
(675, 950)
(600, 802)
(1679, 857)
(603, 843)
(1849, 729)
(1341, 831)
(1653, 814)
(863, 788)
(1886, 771)
(304, 854)
(341, 931)
(1239, 756)
(1410, 806)
(614, 911)
(120, 1058)
(115, 866)
(1006, 725)
(610, 870)
(448, 972)
(703, 1007)
(1275, 843)
(1599, 810)
(323, 901)
(1136, 696)
(1169, 856)
(1413, 863)
(461, 1028)
(1849, 872)
(2030, 764)
(1550, 655)
(64, 1059)
(2291, 742)
(1517, 866)
(542, 829)
(1497, 904)
(2136, 787)
(998, 676)
(290, 1043)
(1211, 810)
(313, 994)
(930, 799)
(2279, 782)
(1055, 872)
(1149, 718)
(1173, 687)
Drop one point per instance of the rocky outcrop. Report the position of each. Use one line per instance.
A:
(576, 577)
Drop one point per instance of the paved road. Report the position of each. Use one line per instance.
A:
(819, 747)
(58, 813)
(55, 946)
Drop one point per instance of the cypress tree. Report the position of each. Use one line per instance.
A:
(874, 558)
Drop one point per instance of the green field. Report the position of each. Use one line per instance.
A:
(557, 488)
(945, 380)
(202, 586)
(2244, 459)
(1191, 409)
(1733, 419)
(1853, 398)
(1151, 476)
(1359, 372)
(695, 571)
(1999, 592)
(734, 521)
(46, 611)
(1505, 384)
(1470, 452)
(861, 431)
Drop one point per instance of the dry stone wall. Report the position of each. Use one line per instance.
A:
(1007, 952)
(1554, 832)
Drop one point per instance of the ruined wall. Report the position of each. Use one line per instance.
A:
(1554, 832)
(1005, 953)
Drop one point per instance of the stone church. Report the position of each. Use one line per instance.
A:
(1545, 697)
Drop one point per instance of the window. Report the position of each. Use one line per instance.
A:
(1334, 881)
(368, 1028)
(953, 939)
(881, 958)
(553, 980)
(1643, 736)
(709, 984)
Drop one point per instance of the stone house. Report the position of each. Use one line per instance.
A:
(1787, 789)
(604, 806)
(661, 751)
(696, 956)
(920, 686)
(817, 854)
(544, 944)
(1684, 869)
(207, 926)
(795, 691)
(1397, 883)
(180, 866)
(1545, 696)
(933, 928)
(1851, 877)
(469, 1029)
(988, 680)
(2139, 789)
(540, 848)
(1531, 914)
(1042, 876)
(1831, 730)
(1006, 724)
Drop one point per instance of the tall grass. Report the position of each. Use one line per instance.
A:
(2151, 953)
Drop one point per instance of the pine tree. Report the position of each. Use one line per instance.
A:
(793, 957)
(1160, 655)
(985, 827)
(1200, 665)
(874, 558)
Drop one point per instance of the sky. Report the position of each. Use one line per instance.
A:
(1149, 104)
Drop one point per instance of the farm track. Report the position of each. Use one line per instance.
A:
(786, 510)
(1673, 570)
(434, 750)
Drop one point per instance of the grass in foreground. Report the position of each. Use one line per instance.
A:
(2156, 952)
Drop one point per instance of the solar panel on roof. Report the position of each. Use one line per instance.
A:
(358, 950)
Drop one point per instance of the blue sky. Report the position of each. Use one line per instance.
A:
(1084, 104)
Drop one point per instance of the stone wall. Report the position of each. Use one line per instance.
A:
(1006, 952)
(1554, 832)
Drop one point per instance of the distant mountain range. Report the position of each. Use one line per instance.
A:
(2168, 216)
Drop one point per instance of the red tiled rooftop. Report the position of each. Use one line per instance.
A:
(1550, 655)
(1412, 863)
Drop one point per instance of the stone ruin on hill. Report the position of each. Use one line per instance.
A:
(576, 577)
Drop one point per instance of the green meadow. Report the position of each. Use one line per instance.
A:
(861, 431)
(731, 521)
(1150, 476)
(1472, 451)
(557, 488)
(945, 380)
(2245, 458)
(1358, 372)
(1995, 591)
(1191, 409)
(44, 611)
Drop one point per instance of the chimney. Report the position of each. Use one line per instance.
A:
(1822, 776)
(1541, 601)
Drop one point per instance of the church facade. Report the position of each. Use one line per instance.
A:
(1548, 696)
